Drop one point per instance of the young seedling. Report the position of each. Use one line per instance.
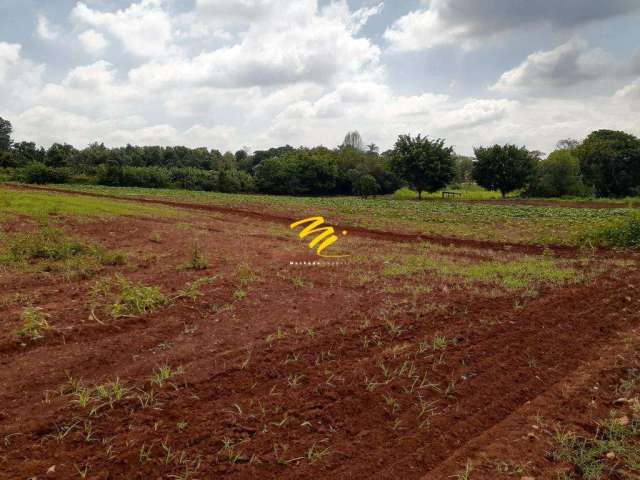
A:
(34, 324)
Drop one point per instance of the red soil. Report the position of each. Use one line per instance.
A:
(298, 406)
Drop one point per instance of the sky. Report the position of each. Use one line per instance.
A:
(231, 74)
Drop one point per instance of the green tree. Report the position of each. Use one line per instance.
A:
(610, 161)
(365, 185)
(558, 175)
(503, 168)
(426, 165)
(5, 134)
(59, 155)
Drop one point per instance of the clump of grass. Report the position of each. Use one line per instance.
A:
(517, 274)
(163, 374)
(46, 244)
(124, 298)
(245, 274)
(589, 455)
(622, 232)
(192, 289)
(34, 324)
(197, 261)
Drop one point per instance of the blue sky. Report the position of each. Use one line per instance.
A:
(228, 74)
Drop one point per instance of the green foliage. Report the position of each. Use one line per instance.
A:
(622, 232)
(558, 176)
(39, 173)
(503, 168)
(300, 172)
(588, 456)
(365, 185)
(124, 298)
(189, 178)
(426, 165)
(47, 244)
(5, 134)
(610, 161)
(34, 324)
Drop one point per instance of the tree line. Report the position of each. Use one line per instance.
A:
(606, 163)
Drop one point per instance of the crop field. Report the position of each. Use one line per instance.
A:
(163, 334)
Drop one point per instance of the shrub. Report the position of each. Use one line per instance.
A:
(146, 177)
(624, 233)
(194, 179)
(558, 176)
(39, 173)
(365, 185)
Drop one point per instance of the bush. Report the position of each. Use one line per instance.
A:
(365, 185)
(146, 177)
(39, 173)
(194, 179)
(301, 172)
(558, 176)
(624, 233)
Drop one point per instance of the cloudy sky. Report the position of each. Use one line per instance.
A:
(257, 73)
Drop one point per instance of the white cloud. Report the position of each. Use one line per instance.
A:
(9, 56)
(471, 22)
(565, 66)
(93, 42)
(308, 45)
(144, 28)
(45, 30)
(630, 92)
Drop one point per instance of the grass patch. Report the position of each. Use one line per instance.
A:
(51, 250)
(623, 232)
(124, 298)
(613, 452)
(42, 205)
(515, 274)
(34, 324)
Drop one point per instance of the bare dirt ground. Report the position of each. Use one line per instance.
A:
(302, 371)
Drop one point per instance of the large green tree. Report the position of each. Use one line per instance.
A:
(503, 168)
(610, 161)
(426, 165)
(558, 175)
(5, 134)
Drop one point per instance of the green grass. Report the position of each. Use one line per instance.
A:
(34, 324)
(50, 250)
(43, 205)
(124, 298)
(623, 232)
(515, 223)
(467, 192)
(511, 274)
(589, 455)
